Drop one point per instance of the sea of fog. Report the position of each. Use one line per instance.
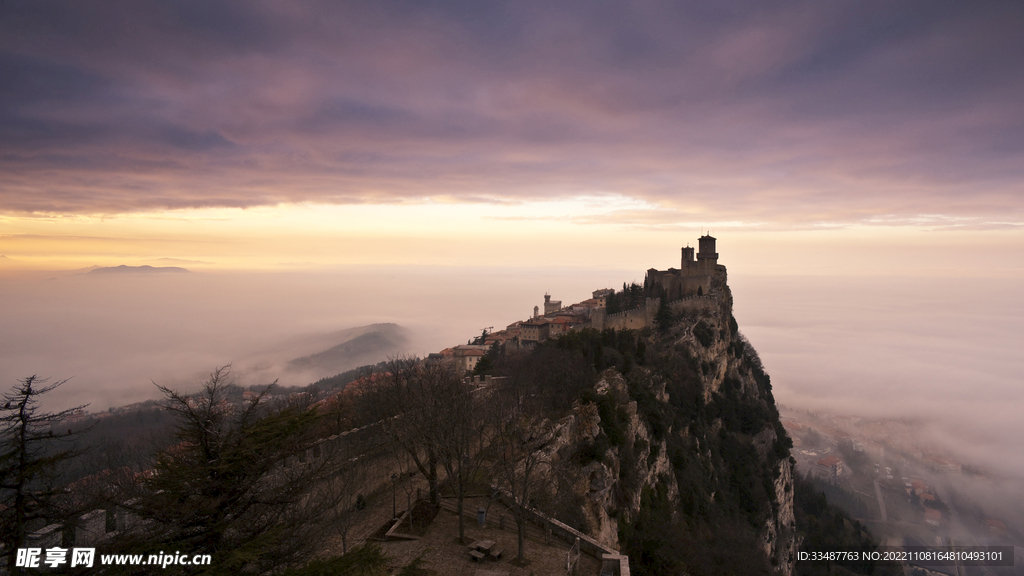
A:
(942, 351)
(115, 335)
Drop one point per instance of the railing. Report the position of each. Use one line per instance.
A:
(572, 557)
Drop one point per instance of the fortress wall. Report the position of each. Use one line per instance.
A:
(693, 304)
(634, 319)
(371, 473)
(678, 284)
(630, 319)
(362, 440)
(643, 316)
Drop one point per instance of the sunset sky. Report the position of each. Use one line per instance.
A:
(825, 136)
(323, 165)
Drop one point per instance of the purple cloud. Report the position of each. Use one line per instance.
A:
(791, 113)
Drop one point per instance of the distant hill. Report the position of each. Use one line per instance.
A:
(361, 346)
(145, 269)
(179, 261)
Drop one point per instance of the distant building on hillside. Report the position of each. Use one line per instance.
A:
(551, 306)
(601, 296)
(587, 307)
(563, 322)
(828, 468)
(939, 464)
(467, 356)
(534, 330)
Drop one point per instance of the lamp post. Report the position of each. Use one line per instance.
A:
(394, 495)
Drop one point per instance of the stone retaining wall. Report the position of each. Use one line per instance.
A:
(567, 533)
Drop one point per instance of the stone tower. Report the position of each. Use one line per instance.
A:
(694, 277)
(707, 257)
(687, 257)
(551, 306)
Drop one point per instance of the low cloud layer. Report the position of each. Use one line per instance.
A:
(791, 113)
(115, 334)
(940, 351)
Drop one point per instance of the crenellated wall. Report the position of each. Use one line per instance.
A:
(692, 305)
(643, 316)
(634, 319)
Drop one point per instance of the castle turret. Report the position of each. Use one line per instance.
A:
(687, 257)
(694, 278)
(551, 306)
(707, 255)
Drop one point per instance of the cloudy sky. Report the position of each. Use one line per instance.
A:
(442, 163)
(250, 134)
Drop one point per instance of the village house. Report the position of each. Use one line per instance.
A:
(467, 356)
(828, 468)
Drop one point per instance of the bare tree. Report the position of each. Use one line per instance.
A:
(460, 429)
(33, 445)
(406, 470)
(519, 437)
(403, 403)
(435, 417)
(343, 487)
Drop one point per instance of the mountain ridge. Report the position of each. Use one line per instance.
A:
(144, 269)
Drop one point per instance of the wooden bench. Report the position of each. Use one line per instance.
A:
(476, 555)
(495, 553)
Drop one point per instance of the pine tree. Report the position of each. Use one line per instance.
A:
(33, 445)
(663, 318)
(226, 489)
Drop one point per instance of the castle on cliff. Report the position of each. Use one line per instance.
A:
(695, 277)
(694, 286)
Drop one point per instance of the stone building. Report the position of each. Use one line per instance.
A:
(551, 306)
(828, 468)
(534, 330)
(697, 275)
(468, 355)
(601, 295)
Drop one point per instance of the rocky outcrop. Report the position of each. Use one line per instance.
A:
(695, 416)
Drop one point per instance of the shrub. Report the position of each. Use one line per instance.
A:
(703, 333)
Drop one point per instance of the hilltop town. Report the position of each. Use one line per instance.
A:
(694, 286)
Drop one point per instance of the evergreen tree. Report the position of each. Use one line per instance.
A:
(33, 446)
(235, 486)
(663, 318)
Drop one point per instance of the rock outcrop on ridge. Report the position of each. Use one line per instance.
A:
(676, 455)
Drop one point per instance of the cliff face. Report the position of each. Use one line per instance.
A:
(678, 457)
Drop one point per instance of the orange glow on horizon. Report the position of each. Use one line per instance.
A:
(580, 232)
